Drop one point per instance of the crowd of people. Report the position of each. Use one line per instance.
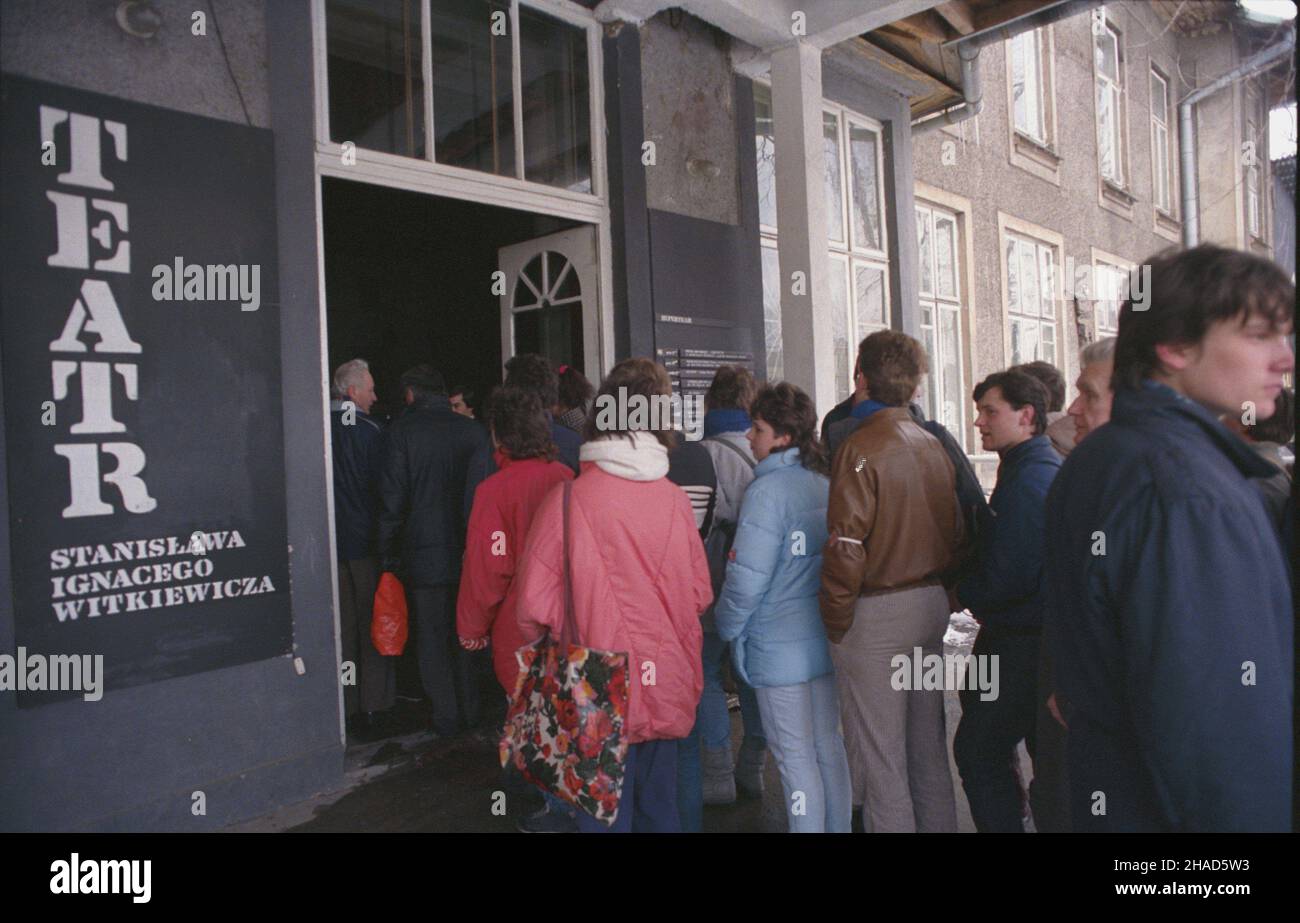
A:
(1129, 573)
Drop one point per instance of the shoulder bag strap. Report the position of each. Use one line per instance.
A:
(569, 630)
(735, 448)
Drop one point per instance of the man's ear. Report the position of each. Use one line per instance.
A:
(1175, 356)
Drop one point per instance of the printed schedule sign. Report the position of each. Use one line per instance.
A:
(140, 340)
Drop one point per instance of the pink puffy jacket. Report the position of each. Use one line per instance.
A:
(640, 580)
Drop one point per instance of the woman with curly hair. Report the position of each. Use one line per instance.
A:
(504, 506)
(768, 610)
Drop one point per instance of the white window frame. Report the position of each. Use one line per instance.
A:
(1162, 173)
(1033, 41)
(1114, 91)
(848, 254)
(1107, 266)
(1253, 173)
(1043, 240)
(937, 303)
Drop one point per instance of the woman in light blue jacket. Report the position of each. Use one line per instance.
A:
(768, 609)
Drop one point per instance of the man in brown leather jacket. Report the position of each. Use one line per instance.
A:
(895, 527)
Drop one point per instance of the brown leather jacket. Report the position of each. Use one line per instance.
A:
(893, 516)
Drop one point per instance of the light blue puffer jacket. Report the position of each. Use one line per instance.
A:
(768, 606)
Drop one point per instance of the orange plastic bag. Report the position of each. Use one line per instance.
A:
(388, 629)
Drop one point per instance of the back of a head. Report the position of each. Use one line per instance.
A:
(424, 381)
(893, 364)
(534, 373)
(791, 412)
(637, 381)
(733, 388)
(573, 388)
(1019, 389)
(1185, 293)
(519, 425)
(1050, 377)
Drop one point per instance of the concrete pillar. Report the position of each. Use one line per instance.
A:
(801, 213)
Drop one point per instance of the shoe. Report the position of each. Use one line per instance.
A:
(547, 821)
(749, 768)
(718, 782)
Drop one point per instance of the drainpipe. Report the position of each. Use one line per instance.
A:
(1187, 149)
(971, 90)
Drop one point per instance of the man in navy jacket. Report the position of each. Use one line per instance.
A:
(1004, 591)
(1171, 618)
(358, 444)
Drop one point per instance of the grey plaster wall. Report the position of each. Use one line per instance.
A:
(688, 96)
(78, 43)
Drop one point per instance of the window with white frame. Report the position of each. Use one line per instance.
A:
(1029, 84)
(1251, 154)
(1161, 174)
(496, 86)
(943, 395)
(1030, 268)
(856, 244)
(1111, 282)
(1108, 65)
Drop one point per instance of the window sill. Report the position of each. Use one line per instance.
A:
(1166, 225)
(1117, 199)
(1035, 158)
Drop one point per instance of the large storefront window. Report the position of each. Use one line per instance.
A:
(856, 243)
(375, 74)
(511, 86)
(473, 87)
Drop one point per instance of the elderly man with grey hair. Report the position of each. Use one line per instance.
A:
(370, 686)
(1049, 791)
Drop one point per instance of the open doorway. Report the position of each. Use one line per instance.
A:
(412, 278)
(409, 279)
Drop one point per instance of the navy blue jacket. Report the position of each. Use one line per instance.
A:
(422, 522)
(1004, 588)
(1156, 640)
(358, 449)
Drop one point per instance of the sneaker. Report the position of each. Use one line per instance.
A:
(547, 821)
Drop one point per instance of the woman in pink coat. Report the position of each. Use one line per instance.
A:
(640, 582)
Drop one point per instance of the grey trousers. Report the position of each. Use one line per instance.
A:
(896, 739)
(376, 677)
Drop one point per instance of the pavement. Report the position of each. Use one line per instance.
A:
(418, 783)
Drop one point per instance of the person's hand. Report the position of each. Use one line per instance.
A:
(474, 644)
(1054, 708)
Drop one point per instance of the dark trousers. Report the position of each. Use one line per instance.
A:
(375, 678)
(446, 669)
(1049, 793)
(648, 803)
(985, 745)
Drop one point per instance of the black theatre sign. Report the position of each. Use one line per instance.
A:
(140, 336)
